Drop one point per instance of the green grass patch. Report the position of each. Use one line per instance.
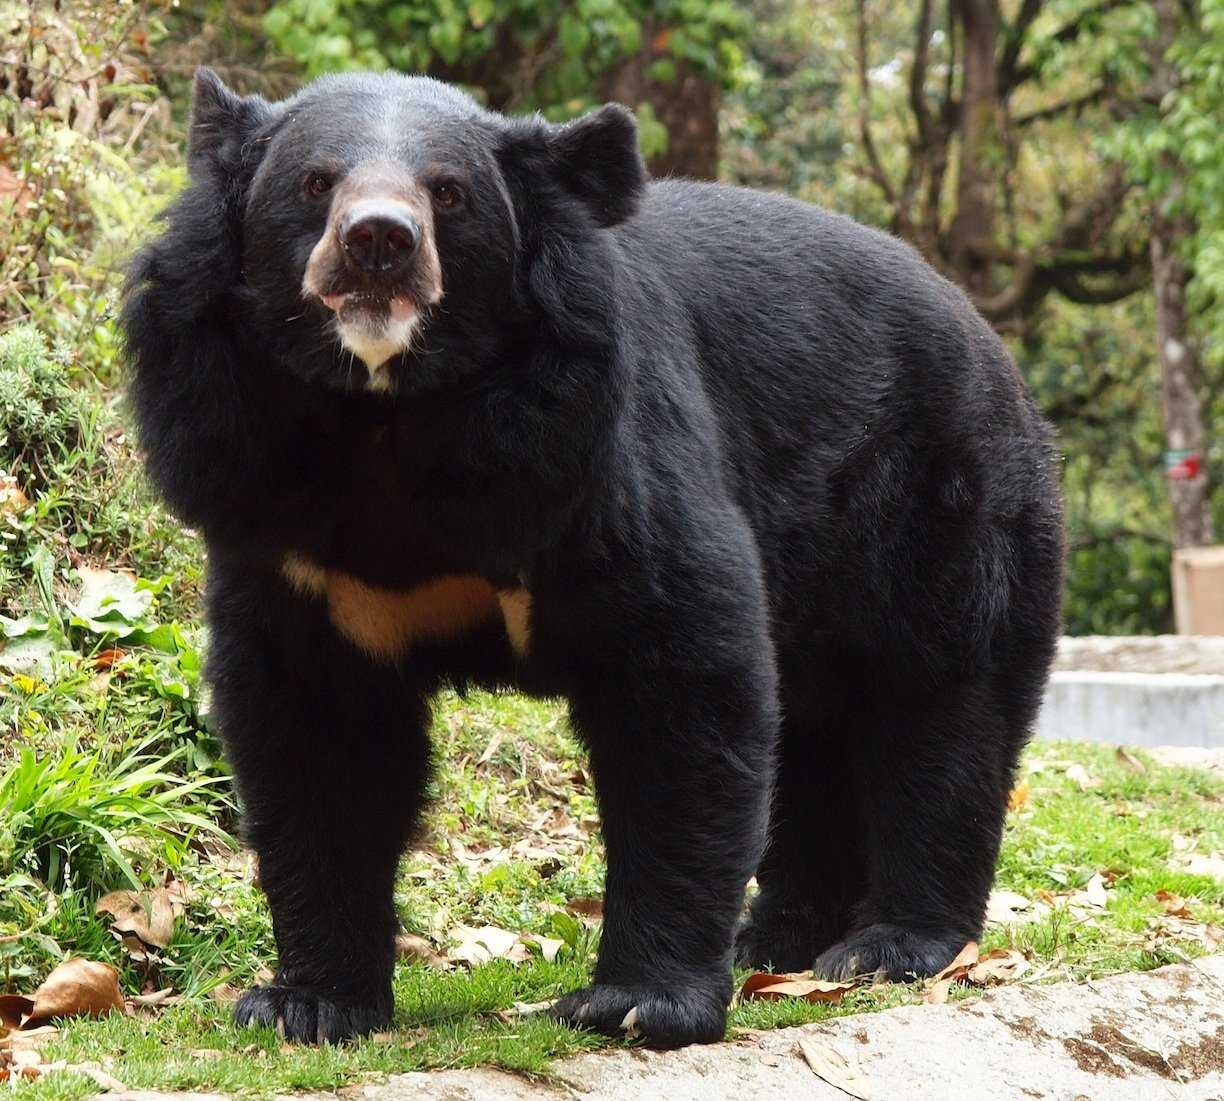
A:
(510, 842)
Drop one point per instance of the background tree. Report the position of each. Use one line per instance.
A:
(1177, 157)
(670, 60)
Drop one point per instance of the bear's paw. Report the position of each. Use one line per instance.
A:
(301, 1016)
(662, 1016)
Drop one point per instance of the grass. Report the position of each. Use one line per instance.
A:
(523, 853)
(109, 774)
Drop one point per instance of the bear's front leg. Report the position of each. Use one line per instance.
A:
(681, 727)
(330, 757)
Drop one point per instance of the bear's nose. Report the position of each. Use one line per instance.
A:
(380, 236)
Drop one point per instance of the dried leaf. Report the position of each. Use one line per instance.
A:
(832, 1066)
(1005, 907)
(959, 967)
(77, 988)
(1212, 865)
(591, 908)
(155, 999)
(491, 748)
(107, 658)
(1173, 904)
(1078, 774)
(937, 992)
(762, 986)
(1020, 796)
(31, 1037)
(548, 946)
(409, 946)
(477, 946)
(1129, 760)
(147, 916)
(101, 1079)
(14, 1008)
(225, 993)
(1094, 891)
(998, 965)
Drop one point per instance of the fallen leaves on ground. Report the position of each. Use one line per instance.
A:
(1200, 864)
(1007, 907)
(1173, 904)
(997, 966)
(1129, 760)
(521, 1009)
(1094, 892)
(477, 946)
(1021, 795)
(763, 986)
(590, 909)
(839, 1070)
(410, 946)
(76, 988)
(141, 919)
(1172, 926)
(1079, 776)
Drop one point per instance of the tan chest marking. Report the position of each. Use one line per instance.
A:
(386, 623)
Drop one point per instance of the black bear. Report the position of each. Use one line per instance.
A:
(459, 398)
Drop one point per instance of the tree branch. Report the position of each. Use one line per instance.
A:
(1077, 104)
(1068, 32)
(1073, 407)
(1017, 34)
(1073, 287)
(869, 147)
(917, 87)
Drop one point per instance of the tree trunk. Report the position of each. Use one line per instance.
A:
(1185, 432)
(972, 235)
(687, 106)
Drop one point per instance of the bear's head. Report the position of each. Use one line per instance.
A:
(387, 232)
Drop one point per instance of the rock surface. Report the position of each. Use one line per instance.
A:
(1157, 1034)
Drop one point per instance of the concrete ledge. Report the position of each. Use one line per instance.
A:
(1151, 1035)
(1141, 709)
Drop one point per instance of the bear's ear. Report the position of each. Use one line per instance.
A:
(221, 125)
(597, 160)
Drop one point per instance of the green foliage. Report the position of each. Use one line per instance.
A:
(1118, 584)
(70, 481)
(781, 129)
(84, 145)
(1187, 128)
(41, 416)
(521, 54)
(75, 818)
(1094, 374)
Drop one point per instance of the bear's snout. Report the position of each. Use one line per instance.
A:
(379, 236)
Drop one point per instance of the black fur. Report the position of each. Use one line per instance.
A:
(789, 521)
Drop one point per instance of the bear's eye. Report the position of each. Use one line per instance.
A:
(447, 195)
(319, 183)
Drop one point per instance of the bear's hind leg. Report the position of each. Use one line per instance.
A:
(934, 774)
(812, 873)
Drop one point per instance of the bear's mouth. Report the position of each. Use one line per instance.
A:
(374, 327)
(362, 305)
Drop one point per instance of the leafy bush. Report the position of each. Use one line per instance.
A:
(83, 164)
(76, 818)
(41, 416)
(1118, 586)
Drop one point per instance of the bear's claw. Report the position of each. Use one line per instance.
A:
(889, 952)
(662, 1016)
(302, 1016)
